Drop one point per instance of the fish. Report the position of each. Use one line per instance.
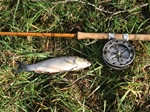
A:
(55, 65)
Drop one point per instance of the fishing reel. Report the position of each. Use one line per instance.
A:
(118, 54)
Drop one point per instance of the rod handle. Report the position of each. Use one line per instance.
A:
(82, 35)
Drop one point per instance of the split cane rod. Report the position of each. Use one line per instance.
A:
(80, 35)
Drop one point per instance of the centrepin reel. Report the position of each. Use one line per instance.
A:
(118, 54)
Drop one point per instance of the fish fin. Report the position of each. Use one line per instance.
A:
(21, 67)
(70, 62)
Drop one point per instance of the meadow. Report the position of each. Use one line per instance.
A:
(98, 88)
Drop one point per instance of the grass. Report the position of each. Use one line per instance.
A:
(95, 89)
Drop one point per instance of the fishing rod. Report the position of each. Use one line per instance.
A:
(118, 53)
(80, 35)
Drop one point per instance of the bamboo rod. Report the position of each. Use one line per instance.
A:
(81, 35)
(38, 34)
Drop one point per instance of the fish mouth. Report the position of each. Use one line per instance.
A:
(89, 64)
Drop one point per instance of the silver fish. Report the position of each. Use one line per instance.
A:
(55, 65)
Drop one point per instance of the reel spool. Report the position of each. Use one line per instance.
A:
(118, 54)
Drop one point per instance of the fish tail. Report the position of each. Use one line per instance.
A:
(22, 67)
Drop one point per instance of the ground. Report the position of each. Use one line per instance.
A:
(94, 89)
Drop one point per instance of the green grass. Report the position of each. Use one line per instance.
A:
(95, 89)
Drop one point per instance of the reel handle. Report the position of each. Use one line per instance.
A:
(82, 35)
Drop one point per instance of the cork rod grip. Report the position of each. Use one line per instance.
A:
(82, 35)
